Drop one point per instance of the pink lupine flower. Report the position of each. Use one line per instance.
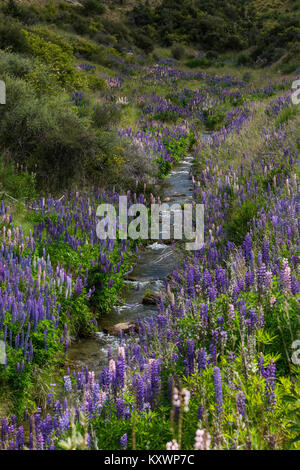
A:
(112, 367)
(173, 445)
(285, 275)
(186, 395)
(231, 314)
(202, 440)
(121, 352)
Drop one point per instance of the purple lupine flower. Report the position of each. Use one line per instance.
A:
(241, 403)
(270, 373)
(265, 251)
(213, 353)
(218, 391)
(201, 360)
(123, 442)
(139, 392)
(200, 412)
(120, 406)
(67, 383)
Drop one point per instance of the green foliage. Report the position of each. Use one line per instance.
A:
(11, 35)
(239, 219)
(243, 59)
(282, 321)
(290, 112)
(45, 135)
(151, 429)
(214, 118)
(178, 51)
(105, 115)
(60, 58)
(177, 149)
(93, 6)
(80, 317)
(201, 62)
(290, 68)
(18, 184)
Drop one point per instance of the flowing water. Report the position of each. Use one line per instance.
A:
(155, 262)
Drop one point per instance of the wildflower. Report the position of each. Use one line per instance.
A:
(173, 445)
(218, 390)
(285, 275)
(231, 313)
(67, 383)
(202, 440)
(186, 394)
(123, 442)
(201, 360)
(241, 404)
(270, 384)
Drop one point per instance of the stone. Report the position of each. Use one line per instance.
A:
(125, 327)
(151, 298)
(168, 199)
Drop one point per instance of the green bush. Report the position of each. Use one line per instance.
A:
(290, 68)
(17, 183)
(11, 35)
(93, 6)
(238, 224)
(15, 64)
(144, 42)
(243, 59)
(46, 135)
(286, 114)
(211, 55)
(59, 57)
(178, 51)
(201, 62)
(105, 116)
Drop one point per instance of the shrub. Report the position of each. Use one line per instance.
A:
(202, 62)
(26, 14)
(105, 115)
(48, 136)
(15, 64)
(238, 225)
(286, 114)
(11, 35)
(211, 55)
(144, 42)
(287, 69)
(59, 57)
(18, 184)
(243, 59)
(178, 51)
(93, 6)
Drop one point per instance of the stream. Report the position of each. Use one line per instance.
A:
(155, 262)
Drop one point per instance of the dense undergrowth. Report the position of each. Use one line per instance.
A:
(213, 368)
